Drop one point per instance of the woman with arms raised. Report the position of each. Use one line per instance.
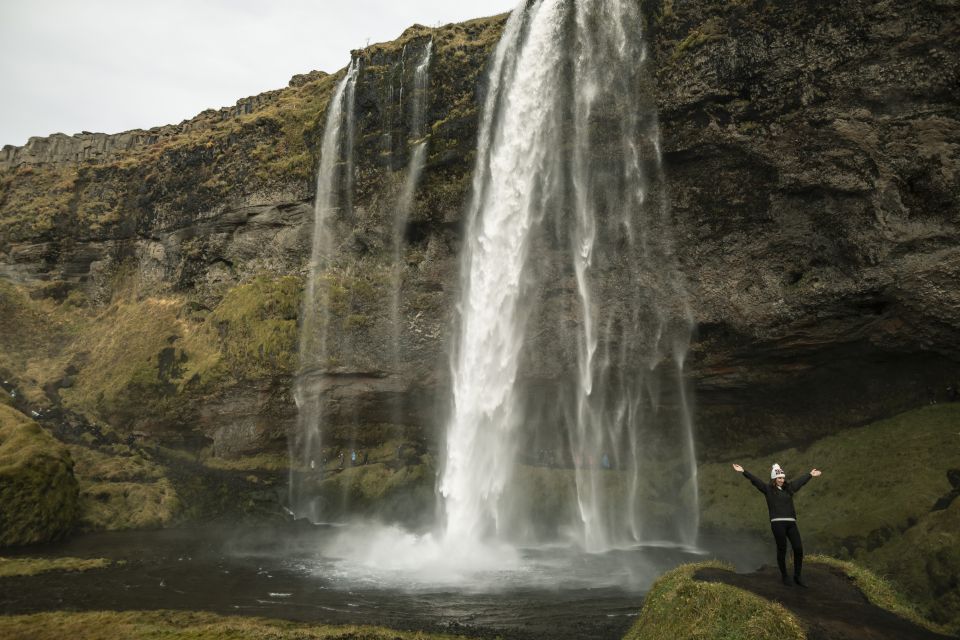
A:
(783, 516)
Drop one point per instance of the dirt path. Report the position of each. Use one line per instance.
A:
(832, 608)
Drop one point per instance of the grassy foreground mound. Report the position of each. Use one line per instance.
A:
(10, 567)
(38, 492)
(178, 625)
(679, 607)
(879, 591)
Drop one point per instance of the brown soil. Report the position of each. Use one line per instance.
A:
(830, 608)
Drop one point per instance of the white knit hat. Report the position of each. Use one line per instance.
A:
(777, 472)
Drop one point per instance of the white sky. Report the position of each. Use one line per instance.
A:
(112, 65)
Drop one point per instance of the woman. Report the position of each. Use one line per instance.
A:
(783, 517)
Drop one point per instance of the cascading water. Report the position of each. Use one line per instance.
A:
(516, 173)
(334, 184)
(568, 193)
(418, 156)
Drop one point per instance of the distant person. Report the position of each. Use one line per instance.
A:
(783, 516)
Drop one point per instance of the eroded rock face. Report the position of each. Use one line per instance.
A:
(811, 155)
(813, 164)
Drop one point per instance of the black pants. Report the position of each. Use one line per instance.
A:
(783, 530)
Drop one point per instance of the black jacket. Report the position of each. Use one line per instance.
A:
(779, 501)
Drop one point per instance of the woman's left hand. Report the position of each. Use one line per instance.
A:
(815, 472)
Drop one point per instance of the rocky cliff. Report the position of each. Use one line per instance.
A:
(152, 279)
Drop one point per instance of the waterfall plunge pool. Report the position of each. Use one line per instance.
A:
(362, 574)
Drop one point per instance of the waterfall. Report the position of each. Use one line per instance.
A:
(569, 193)
(418, 156)
(334, 187)
(513, 178)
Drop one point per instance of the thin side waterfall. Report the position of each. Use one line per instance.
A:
(334, 184)
(569, 193)
(418, 157)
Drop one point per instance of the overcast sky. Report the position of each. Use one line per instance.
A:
(112, 65)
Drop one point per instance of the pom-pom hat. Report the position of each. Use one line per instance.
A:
(777, 472)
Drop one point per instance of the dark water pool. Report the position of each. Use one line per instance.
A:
(325, 575)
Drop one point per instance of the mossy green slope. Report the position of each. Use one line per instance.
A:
(140, 361)
(121, 489)
(877, 480)
(678, 607)
(38, 492)
(925, 564)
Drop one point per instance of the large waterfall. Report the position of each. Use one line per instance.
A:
(568, 196)
(333, 188)
(570, 418)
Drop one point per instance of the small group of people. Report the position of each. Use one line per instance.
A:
(783, 516)
(356, 458)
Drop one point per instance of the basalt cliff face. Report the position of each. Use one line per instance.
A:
(151, 281)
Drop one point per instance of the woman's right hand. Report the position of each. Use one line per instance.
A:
(737, 468)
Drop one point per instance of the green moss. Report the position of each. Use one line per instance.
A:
(10, 567)
(879, 591)
(710, 30)
(876, 481)
(32, 199)
(404, 493)
(121, 489)
(118, 464)
(256, 326)
(38, 492)
(924, 563)
(138, 357)
(259, 462)
(113, 506)
(34, 333)
(185, 625)
(349, 301)
(677, 606)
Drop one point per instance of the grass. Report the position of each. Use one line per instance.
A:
(32, 336)
(877, 480)
(924, 563)
(118, 464)
(879, 591)
(38, 492)
(179, 625)
(677, 606)
(258, 462)
(255, 325)
(11, 567)
(122, 489)
(113, 506)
